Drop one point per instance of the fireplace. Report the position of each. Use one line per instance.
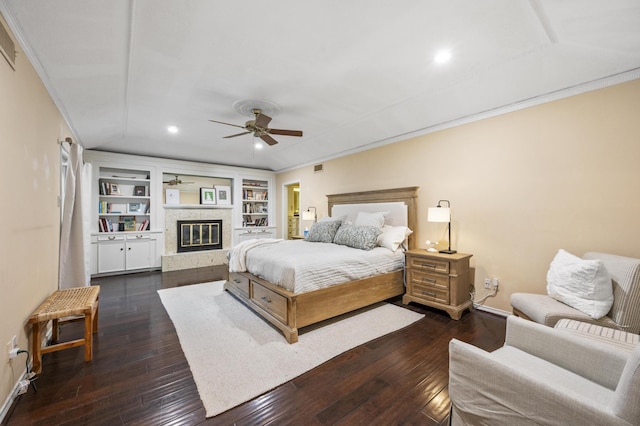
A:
(198, 235)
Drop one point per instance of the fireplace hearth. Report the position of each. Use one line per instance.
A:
(199, 235)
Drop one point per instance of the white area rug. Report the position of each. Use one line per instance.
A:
(235, 356)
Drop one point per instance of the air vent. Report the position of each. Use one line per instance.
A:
(318, 168)
(7, 47)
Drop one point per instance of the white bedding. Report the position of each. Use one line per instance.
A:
(301, 266)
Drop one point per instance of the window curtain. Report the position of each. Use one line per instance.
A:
(74, 270)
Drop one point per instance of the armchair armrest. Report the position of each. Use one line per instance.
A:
(484, 390)
(573, 353)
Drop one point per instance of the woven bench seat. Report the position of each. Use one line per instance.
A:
(70, 304)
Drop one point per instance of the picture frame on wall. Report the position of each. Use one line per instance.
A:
(223, 195)
(207, 196)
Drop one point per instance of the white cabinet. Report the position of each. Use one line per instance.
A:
(124, 201)
(248, 234)
(124, 253)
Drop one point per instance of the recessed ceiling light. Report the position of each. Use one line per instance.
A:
(442, 56)
(172, 129)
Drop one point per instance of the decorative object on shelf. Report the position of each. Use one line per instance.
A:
(223, 194)
(139, 191)
(129, 223)
(134, 208)
(172, 196)
(114, 189)
(442, 214)
(309, 215)
(207, 195)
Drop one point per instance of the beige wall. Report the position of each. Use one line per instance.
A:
(565, 174)
(29, 219)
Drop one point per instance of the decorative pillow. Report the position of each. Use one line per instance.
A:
(360, 237)
(370, 219)
(323, 232)
(580, 283)
(393, 236)
(331, 219)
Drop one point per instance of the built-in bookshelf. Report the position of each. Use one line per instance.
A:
(124, 200)
(255, 203)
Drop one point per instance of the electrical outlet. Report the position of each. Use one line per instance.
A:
(14, 342)
(494, 283)
(487, 283)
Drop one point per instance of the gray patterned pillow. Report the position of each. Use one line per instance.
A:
(323, 232)
(360, 237)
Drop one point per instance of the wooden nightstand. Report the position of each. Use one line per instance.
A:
(438, 280)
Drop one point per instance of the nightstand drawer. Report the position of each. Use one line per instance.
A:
(437, 281)
(270, 301)
(428, 292)
(430, 265)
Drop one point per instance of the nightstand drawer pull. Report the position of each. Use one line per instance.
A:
(428, 265)
(266, 299)
(428, 280)
(429, 293)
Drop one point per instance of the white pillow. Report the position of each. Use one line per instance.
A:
(331, 219)
(370, 219)
(580, 283)
(393, 236)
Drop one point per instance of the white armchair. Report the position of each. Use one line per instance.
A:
(624, 314)
(542, 376)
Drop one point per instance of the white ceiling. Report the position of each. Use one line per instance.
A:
(350, 74)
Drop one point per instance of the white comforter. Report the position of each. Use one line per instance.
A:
(300, 266)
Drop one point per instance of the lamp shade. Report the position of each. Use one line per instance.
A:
(439, 214)
(308, 215)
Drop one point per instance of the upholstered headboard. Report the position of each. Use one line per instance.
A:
(401, 203)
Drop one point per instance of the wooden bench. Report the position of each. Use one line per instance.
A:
(78, 303)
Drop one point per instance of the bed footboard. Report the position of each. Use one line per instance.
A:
(290, 311)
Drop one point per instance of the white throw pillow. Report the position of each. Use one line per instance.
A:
(393, 236)
(580, 283)
(370, 219)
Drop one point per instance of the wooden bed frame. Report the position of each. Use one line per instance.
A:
(290, 311)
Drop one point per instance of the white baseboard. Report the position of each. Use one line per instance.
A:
(12, 396)
(23, 376)
(492, 310)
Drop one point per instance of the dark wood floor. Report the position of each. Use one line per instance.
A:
(139, 375)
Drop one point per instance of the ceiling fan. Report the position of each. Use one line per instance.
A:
(176, 181)
(259, 128)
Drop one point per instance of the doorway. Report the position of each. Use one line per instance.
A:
(292, 210)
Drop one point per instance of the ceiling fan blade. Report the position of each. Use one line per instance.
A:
(228, 124)
(268, 139)
(239, 134)
(285, 132)
(262, 120)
